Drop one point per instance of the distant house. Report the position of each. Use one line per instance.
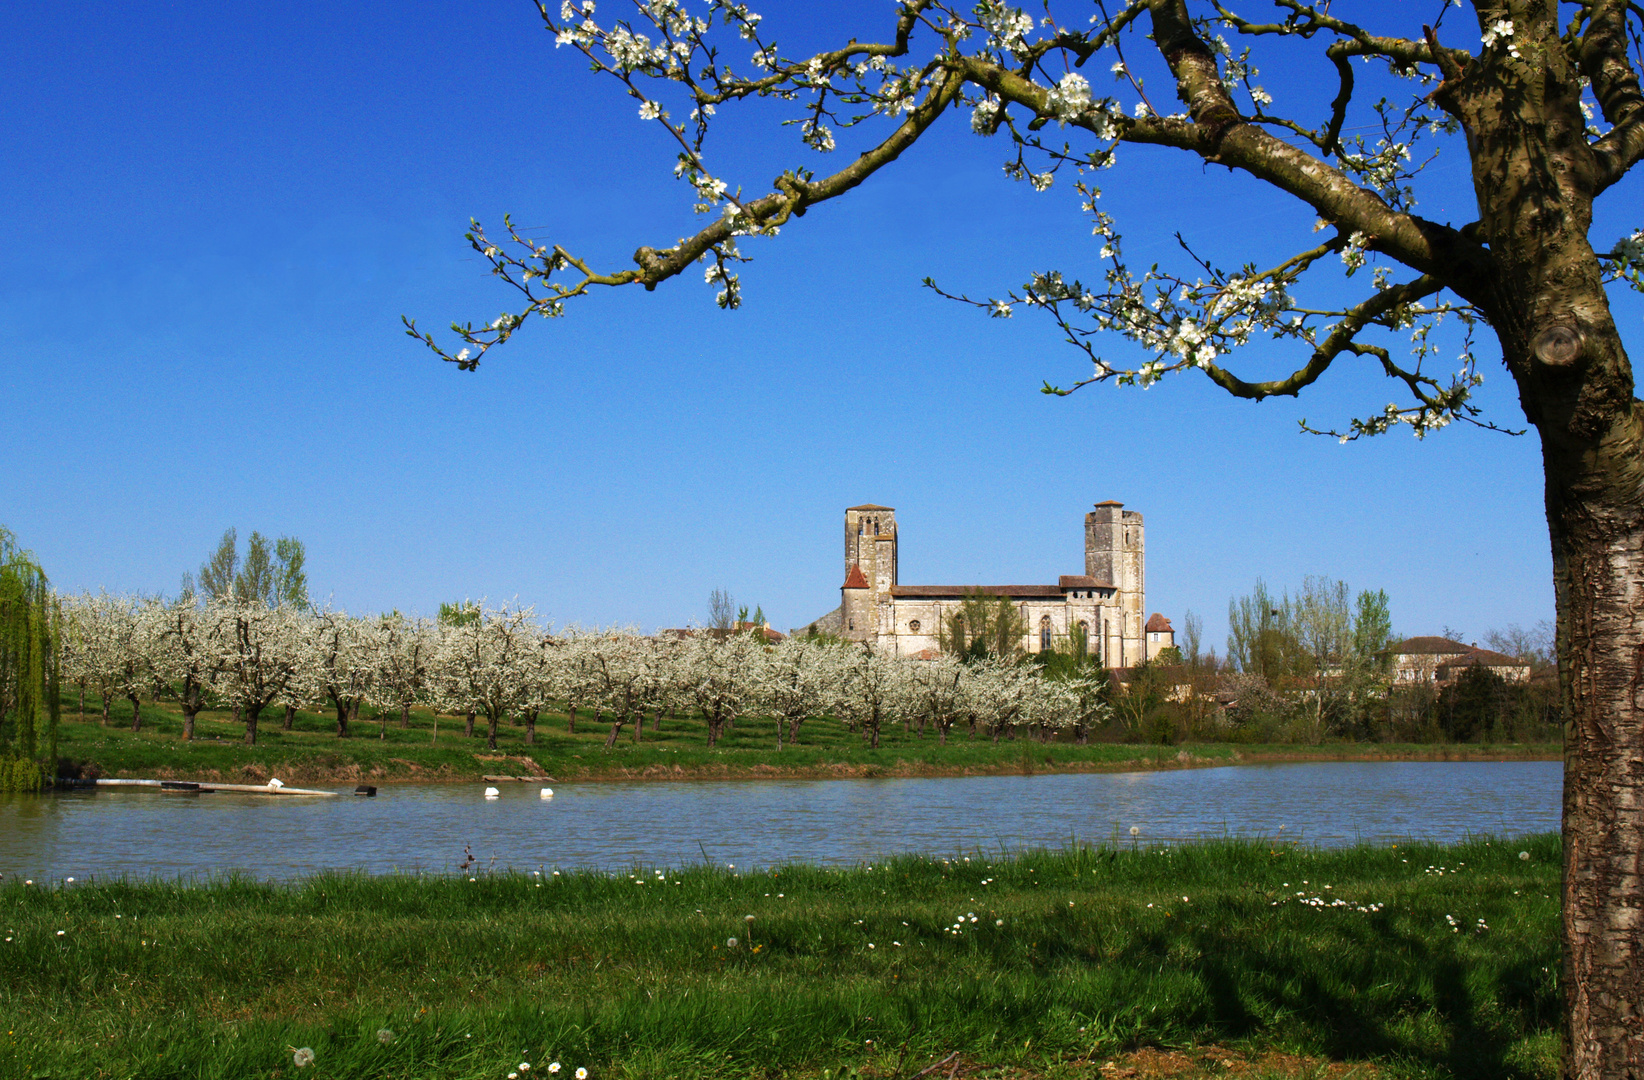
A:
(1510, 668)
(1159, 635)
(1417, 659)
(1440, 661)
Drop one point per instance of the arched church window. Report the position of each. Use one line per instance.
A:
(1084, 632)
(1046, 641)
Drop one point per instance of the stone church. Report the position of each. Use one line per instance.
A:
(1107, 601)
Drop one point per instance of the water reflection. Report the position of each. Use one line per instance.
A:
(616, 825)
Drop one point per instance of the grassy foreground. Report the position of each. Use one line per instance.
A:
(311, 752)
(1408, 961)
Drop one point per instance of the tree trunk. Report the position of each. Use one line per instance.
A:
(250, 716)
(405, 718)
(345, 711)
(188, 720)
(942, 732)
(491, 719)
(136, 712)
(106, 721)
(531, 728)
(639, 725)
(382, 726)
(239, 714)
(82, 687)
(1595, 514)
(570, 719)
(289, 719)
(793, 731)
(468, 725)
(616, 729)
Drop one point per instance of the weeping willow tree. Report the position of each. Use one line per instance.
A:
(30, 639)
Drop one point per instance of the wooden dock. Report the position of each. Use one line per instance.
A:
(189, 787)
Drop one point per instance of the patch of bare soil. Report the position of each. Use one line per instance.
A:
(1150, 1063)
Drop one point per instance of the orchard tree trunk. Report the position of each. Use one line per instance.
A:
(405, 718)
(289, 719)
(106, 721)
(1535, 177)
(616, 730)
(491, 719)
(468, 725)
(189, 711)
(136, 712)
(82, 685)
(793, 730)
(570, 719)
(531, 728)
(639, 725)
(250, 716)
(942, 732)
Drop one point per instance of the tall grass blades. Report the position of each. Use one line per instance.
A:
(1428, 961)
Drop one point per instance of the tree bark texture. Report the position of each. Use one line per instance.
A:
(405, 718)
(289, 719)
(251, 726)
(468, 725)
(616, 730)
(491, 730)
(531, 728)
(136, 712)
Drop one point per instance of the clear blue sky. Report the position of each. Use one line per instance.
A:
(215, 214)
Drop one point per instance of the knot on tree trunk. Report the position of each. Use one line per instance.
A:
(1558, 345)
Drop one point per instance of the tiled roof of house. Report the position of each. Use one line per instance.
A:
(935, 592)
(1484, 657)
(854, 578)
(1428, 646)
(1081, 581)
(870, 506)
(1158, 624)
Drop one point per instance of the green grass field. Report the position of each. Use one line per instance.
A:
(1409, 961)
(312, 752)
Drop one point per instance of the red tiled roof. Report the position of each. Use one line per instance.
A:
(1081, 581)
(1428, 646)
(870, 506)
(855, 579)
(1110, 502)
(959, 591)
(1486, 658)
(1158, 624)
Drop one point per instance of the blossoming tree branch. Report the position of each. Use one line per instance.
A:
(1542, 98)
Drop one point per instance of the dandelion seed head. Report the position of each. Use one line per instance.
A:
(303, 1057)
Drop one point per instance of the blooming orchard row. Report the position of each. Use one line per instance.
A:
(500, 663)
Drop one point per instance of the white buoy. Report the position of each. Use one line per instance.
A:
(546, 793)
(492, 793)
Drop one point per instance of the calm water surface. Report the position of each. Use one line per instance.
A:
(618, 825)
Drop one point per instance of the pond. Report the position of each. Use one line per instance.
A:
(427, 827)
